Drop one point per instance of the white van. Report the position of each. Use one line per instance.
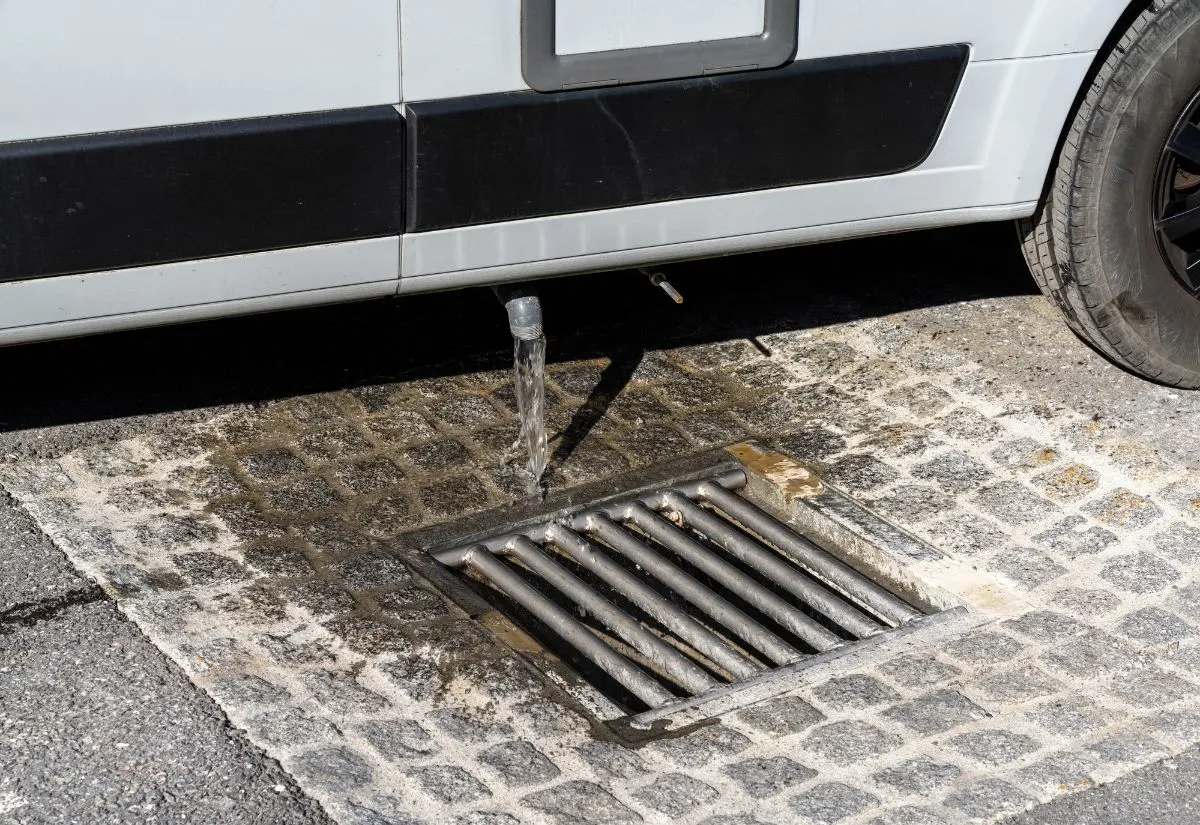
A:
(166, 160)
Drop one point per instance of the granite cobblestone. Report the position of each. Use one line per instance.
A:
(993, 747)
(675, 794)
(1071, 717)
(831, 802)
(936, 712)
(917, 777)
(761, 778)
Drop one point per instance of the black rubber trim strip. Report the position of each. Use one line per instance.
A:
(502, 157)
(123, 199)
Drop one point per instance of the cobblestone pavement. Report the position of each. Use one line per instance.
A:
(256, 548)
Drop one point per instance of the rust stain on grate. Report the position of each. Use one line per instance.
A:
(674, 593)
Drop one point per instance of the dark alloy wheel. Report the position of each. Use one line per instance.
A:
(1176, 205)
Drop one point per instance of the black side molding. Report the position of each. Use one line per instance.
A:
(503, 157)
(123, 199)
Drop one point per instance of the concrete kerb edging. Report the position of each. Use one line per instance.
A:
(915, 569)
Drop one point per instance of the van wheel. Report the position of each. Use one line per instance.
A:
(1116, 245)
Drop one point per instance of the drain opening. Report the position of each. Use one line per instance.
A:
(675, 593)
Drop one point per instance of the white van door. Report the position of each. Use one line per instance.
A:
(552, 136)
(166, 159)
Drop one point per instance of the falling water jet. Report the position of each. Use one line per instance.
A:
(529, 377)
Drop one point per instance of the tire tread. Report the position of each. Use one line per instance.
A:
(1058, 240)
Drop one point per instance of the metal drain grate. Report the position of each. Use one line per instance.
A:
(676, 592)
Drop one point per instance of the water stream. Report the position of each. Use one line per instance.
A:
(529, 371)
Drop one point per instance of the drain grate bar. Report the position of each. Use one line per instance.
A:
(629, 586)
(679, 668)
(842, 576)
(700, 596)
(678, 542)
(572, 631)
(697, 586)
(746, 550)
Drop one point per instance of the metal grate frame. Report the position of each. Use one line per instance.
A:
(688, 588)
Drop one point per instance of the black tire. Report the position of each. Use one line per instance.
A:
(1092, 246)
(1038, 248)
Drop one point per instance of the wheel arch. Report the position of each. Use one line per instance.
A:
(1131, 11)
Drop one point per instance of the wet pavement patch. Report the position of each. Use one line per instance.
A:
(28, 614)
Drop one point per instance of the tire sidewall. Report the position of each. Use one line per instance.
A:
(1136, 296)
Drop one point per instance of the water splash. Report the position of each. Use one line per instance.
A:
(529, 378)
